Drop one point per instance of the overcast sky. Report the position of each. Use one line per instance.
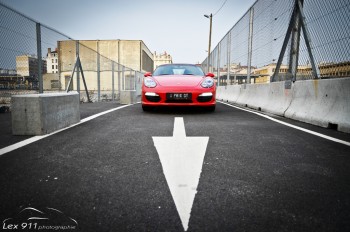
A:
(177, 27)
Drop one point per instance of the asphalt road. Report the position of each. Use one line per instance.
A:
(257, 175)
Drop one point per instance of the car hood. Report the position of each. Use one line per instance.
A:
(178, 80)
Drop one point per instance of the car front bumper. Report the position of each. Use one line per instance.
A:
(200, 97)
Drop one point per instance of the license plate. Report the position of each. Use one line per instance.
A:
(179, 96)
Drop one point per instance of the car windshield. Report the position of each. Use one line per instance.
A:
(178, 69)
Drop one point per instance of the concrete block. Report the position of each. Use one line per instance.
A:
(128, 97)
(322, 102)
(39, 114)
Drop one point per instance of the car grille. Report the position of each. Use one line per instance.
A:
(178, 101)
(153, 98)
(204, 98)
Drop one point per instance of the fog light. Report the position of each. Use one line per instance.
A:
(206, 95)
(150, 94)
(152, 97)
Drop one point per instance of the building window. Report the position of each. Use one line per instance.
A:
(53, 66)
(56, 66)
(52, 60)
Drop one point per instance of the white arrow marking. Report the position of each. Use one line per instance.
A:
(182, 158)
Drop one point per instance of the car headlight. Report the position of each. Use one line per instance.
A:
(207, 83)
(149, 82)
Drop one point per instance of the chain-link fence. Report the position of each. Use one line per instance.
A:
(285, 40)
(35, 58)
(104, 77)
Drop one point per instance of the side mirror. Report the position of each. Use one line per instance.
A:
(147, 74)
(210, 75)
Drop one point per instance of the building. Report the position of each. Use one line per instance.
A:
(331, 69)
(27, 66)
(327, 70)
(163, 58)
(100, 55)
(52, 61)
(238, 74)
(9, 79)
(51, 81)
(265, 72)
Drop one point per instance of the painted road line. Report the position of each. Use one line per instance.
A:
(182, 159)
(292, 126)
(39, 137)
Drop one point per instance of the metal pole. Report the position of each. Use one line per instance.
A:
(218, 64)
(78, 71)
(130, 80)
(98, 73)
(211, 25)
(71, 76)
(209, 47)
(82, 74)
(315, 70)
(38, 47)
(123, 78)
(113, 98)
(228, 57)
(135, 80)
(294, 51)
(119, 76)
(284, 46)
(250, 44)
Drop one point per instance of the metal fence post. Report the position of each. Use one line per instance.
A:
(113, 98)
(250, 44)
(98, 73)
(40, 67)
(119, 76)
(228, 57)
(218, 64)
(315, 68)
(294, 50)
(123, 78)
(78, 70)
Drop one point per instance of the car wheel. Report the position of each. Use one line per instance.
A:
(147, 108)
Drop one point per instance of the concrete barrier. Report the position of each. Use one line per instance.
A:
(128, 97)
(279, 98)
(228, 93)
(38, 114)
(253, 96)
(273, 98)
(324, 103)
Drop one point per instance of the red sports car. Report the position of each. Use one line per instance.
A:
(178, 85)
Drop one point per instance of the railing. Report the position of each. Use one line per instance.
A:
(35, 58)
(285, 40)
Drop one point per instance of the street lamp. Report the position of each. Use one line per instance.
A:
(211, 20)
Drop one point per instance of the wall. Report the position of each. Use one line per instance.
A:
(324, 103)
(51, 81)
(132, 54)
